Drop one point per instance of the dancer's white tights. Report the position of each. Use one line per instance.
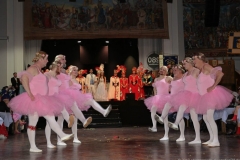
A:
(33, 119)
(180, 114)
(166, 110)
(96, 106)
(60, 120)
(78, 113)
(211, 126)
(153, 113)
(196, 125)
(164, 116)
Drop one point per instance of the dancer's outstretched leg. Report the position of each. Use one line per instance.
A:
(154, 122)
(56, 128)
(79, 115)
(180, 114)
(196, 125)
(33, 119)
(166, 128)
(182, 129)
(209, 130)
(165, 112)
(48, 136)
(98, 108)
(68, 118)
(213, 125)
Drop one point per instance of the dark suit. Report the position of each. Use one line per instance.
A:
(15, 84)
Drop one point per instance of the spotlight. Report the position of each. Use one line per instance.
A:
(79, 41)
(106, 41)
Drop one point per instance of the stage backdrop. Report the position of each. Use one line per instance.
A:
(61, 19)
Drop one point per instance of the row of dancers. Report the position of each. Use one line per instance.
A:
(54, 93)
(195, 92)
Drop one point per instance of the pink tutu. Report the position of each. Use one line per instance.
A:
(66, 99)
(16, 117)
(42, 105)
(158, 100)
(217, 99)
(186, 98)
(80, 98)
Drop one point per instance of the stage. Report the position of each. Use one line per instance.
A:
(126, 143)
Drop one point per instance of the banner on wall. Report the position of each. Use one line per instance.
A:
(153, 61)
(170, 60)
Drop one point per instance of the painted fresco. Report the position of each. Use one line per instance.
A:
(101, 18)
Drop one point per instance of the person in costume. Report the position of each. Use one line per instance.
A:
(35, 102)
(123, 84)
(133, 83)
(82, 80)
(141, 93)
(53, 91)
(70, 104)
(83, 100)
(157, 102)
(176, 86)
(101, 91)
(186, 100)
(212, 96)
(147, 82)
(90, 82)
(114, 87)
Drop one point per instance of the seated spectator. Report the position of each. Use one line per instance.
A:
(235, 113)
(5, 112)
(3, 130)
(18, 121)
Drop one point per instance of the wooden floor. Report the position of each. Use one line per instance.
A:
(127, 143)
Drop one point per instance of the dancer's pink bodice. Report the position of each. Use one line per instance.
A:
(162, 87)
(190, 83)
(53, 86)
(204, 82)
(75, 86)
(177, 86)
(38, 84)
(64, 78)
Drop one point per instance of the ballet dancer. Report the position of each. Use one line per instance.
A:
(65, 100)
(212, 96)
(186, 100)
(35, 102)
(177, 85)
(157, 102)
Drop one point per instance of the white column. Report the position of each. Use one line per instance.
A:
(15, 45)
(175, 44)
(3, 43)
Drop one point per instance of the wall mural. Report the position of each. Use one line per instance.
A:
(213, 41)
(61, 19)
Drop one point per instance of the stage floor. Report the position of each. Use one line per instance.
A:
(127, 143)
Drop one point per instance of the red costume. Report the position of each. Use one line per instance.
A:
(133, 83)
(123, 84)
(140, 72)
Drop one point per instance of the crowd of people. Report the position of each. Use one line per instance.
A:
(192, 87)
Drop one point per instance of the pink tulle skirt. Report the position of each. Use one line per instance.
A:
(66, 99)
(187, 98)
(217, 99)
(16, 116)
(42, 105)
(158, 101)
(80, 98)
